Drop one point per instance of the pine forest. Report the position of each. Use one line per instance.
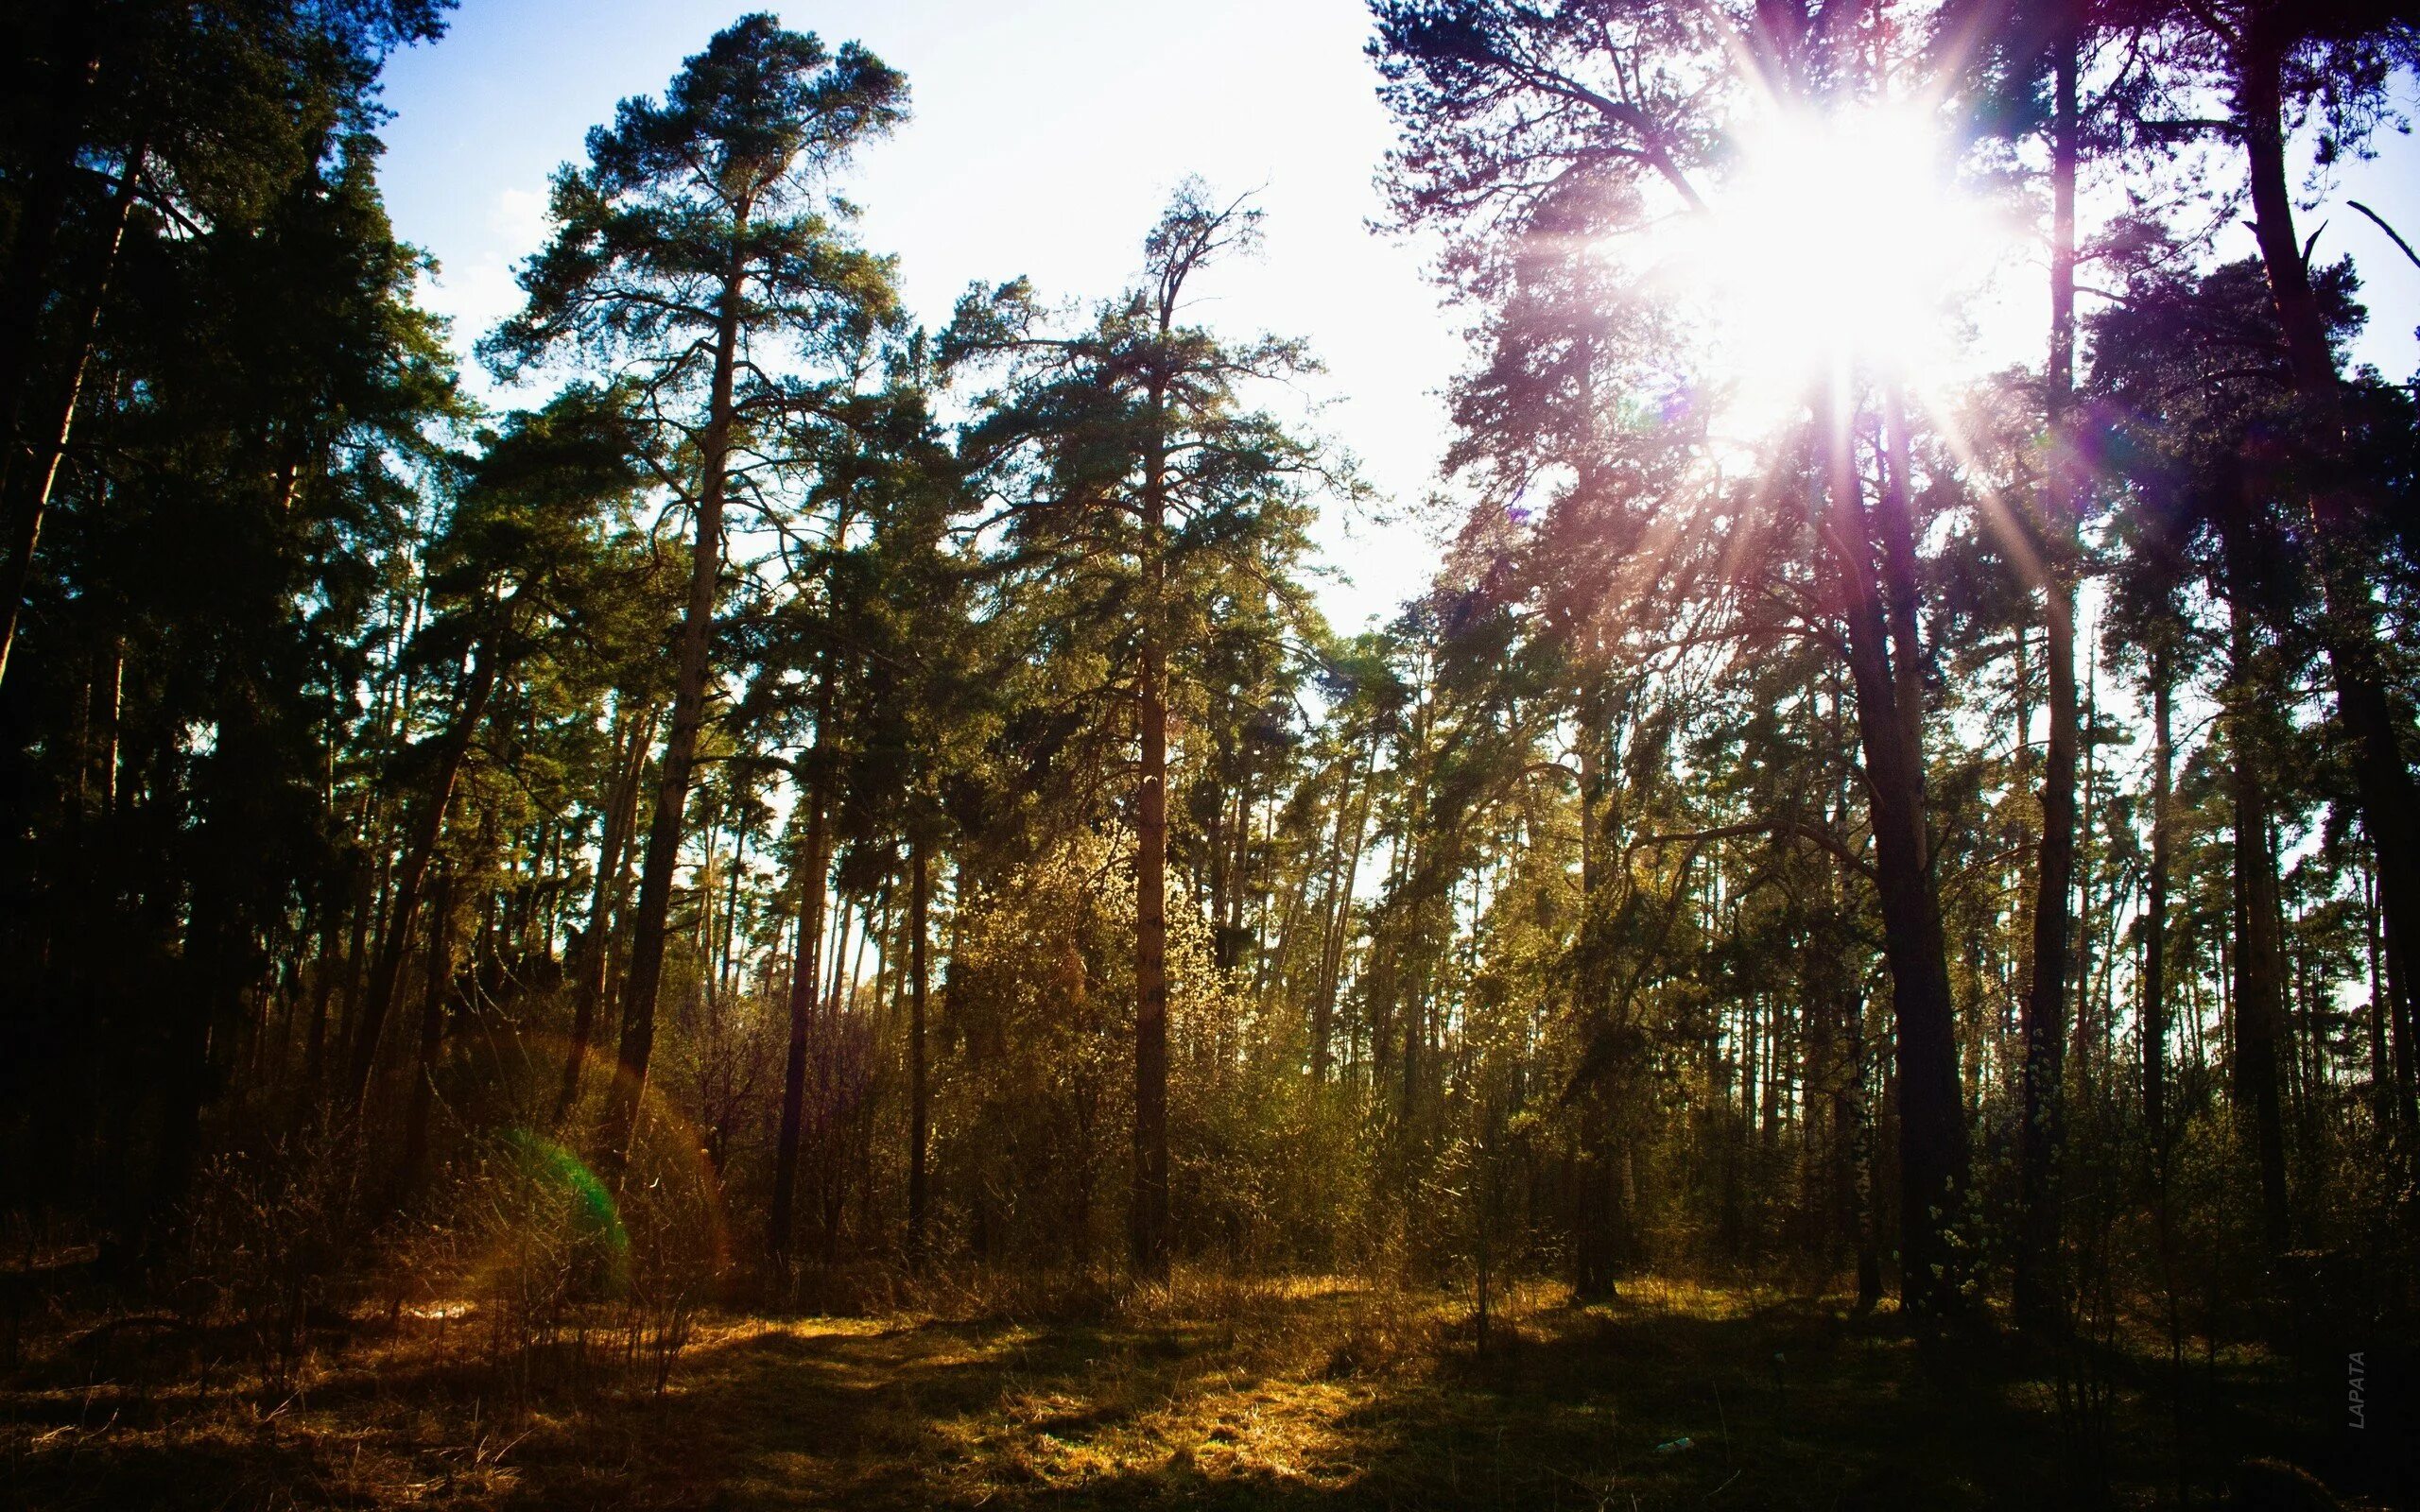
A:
(733, 889)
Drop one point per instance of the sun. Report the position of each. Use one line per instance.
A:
(1839, 243)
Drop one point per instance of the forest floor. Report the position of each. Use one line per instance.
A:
(1286, 1395)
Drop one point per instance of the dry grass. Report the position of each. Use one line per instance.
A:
(1212, 1391)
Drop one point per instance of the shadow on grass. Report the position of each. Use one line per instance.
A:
(1630, 1406)
(1334, 1398)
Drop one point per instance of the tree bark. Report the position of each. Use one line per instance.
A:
(27, 489)
(919, 1107)
(1150, 1217)
(432, 1037)
(2389, 1039)
(339, 895)
(2036, 1280)
(2154, 1012)
(24, 288)
(1340, 922)
(362, 884)
(2259, 1004)
(2390, 800)
(662, 854)
(1323, 1003)
(1932, 1133)
(621, 814)
(428, 826)
(805, 972)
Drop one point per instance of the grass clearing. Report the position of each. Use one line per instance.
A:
(1222, 1394)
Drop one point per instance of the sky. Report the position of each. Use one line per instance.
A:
(1046, 137)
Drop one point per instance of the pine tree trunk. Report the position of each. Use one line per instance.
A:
(432, 1037)
(2259, 986)
(42, 212)
(663, 855)
(412, 874)
(2390, 1040)
(2260, 1005)
(1340, 919)
(2390, 800)
(621, 812)
(918, 904)
(362, 884)
(27, 490)
(2155, 1010)
(204, 997)
(337, 901)
(1323, 1025)
(1932, 1134)
(2046, 999)
(1865, 1229)
(813, 878)
(1149, 1218)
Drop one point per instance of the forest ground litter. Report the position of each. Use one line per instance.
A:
(1217, 1393)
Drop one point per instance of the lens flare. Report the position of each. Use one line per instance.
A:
(1839, 241)
(551, 1165)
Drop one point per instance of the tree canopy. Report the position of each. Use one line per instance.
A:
(824, 800)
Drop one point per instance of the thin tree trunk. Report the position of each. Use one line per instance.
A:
(338, 900)
(1150, 1202)
(2154, 1012)
(918, 904)
(432, 1036)
(729, 944)
(2388, 800)
(836, 944)
(804, 971)
(41, 211)
(1340, 923)
(2390, 1068)
(29, 489)
(1860, 1111)
(621, 814)
(363, 886)
(2259, 1006)
(419, 851)
(2045, 1002)
(663, 856)
(1932, 1135)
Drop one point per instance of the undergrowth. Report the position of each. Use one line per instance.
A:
(978, 1389)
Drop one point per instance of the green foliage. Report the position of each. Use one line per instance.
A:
(360, 747)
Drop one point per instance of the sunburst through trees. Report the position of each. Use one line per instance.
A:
(1882, 862)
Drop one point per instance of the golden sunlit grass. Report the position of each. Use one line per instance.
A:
(1215, 1391)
